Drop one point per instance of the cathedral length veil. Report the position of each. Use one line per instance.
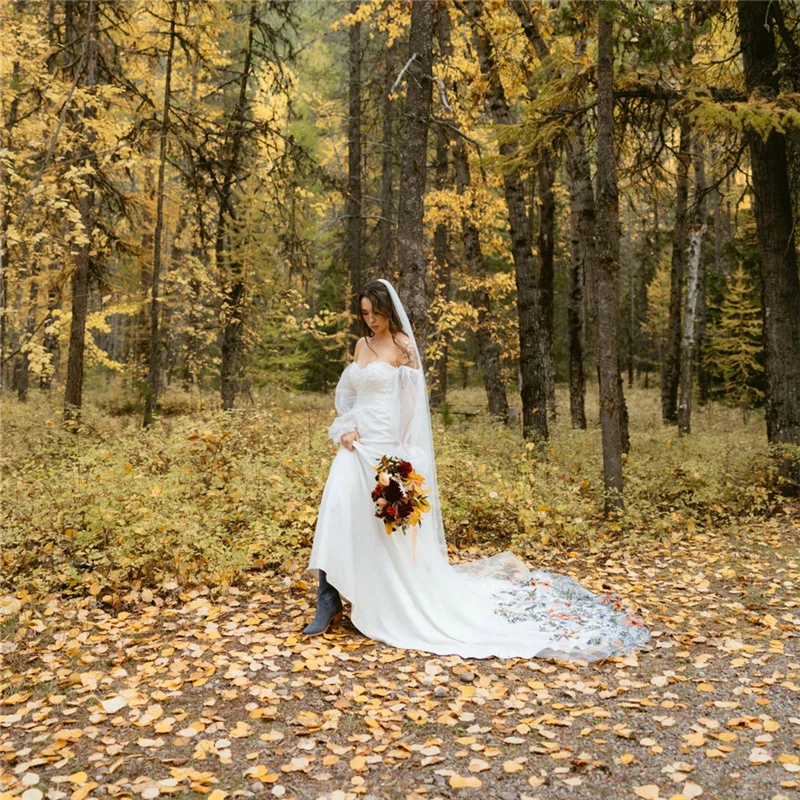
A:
(503, 565)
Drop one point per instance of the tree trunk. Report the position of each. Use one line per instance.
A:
(701, 326)
(441, 257)
(488, 350)
(575, 273)
(30, 327)
(410, 231)
(608, 235)
(687, 343)
(547, 211)
(73, 392)
(695, 262)
(533, 352)
(154, 354)
(51, 344)
(353, 210)
(672, 358)
(387, 169)
(583, 264)
(780, 288)
(235, 290)
(670, 375)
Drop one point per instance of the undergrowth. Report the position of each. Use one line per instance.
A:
(204, 496)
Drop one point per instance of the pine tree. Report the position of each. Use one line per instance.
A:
(734, 353)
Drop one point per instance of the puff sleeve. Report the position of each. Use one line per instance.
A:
(413, 419)
(345, 402)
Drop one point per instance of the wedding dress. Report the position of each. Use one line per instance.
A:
(402, 589)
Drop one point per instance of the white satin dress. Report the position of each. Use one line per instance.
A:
(408, 595)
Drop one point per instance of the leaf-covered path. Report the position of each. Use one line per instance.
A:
(217, 694)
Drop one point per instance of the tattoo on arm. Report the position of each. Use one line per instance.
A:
(408, 357)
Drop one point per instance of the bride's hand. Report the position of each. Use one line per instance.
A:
(347, 439)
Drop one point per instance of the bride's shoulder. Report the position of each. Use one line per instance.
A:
(408, 357)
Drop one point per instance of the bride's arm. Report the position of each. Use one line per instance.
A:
(345, 401)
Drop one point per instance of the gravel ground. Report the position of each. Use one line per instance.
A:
(196, 693)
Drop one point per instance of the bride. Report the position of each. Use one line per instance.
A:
(402, 589)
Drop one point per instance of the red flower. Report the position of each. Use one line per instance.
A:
(392, 492)
(404, 468)
(390, 511)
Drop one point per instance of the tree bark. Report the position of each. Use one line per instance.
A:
(608, 235)
(235, 290)
(51, 344)
(533, 352)
(547, 212)
(410, 231)
(441, 257)
(670, 375)
(488, 350)
(546, 173)
(577, 380)
(353, 210)
(154, 354)
(387, 169)
(780, 287)
(583, 264)
(695, 262)
(73, 392)
(671, 368)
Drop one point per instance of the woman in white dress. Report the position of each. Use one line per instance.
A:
(402, 589)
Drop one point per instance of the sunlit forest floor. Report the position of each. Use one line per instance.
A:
(152, 594)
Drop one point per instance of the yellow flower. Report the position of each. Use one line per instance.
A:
(388, 526)
(383, 479)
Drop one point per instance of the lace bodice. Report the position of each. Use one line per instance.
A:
(376, 378)
(378, 400)
(375, 410)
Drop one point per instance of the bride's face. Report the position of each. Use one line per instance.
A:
(377, 323)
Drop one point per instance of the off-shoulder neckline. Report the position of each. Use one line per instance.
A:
(380, 361)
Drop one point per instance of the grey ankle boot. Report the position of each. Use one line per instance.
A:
(329, 607)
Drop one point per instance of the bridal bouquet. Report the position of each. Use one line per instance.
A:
(399, 498)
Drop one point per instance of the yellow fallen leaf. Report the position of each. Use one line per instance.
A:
(691, 790)
(241, 730)
(478, 765)
(649, 791)
(626, 758)
(705, 687)
(78, 777)
(358, 764)
(468, 782)
(80, 794)
(256, 772)
(512, 766)
(695, 739)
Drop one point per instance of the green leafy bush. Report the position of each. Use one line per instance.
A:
(205, 496)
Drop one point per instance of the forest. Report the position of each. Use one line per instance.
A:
(588, 209)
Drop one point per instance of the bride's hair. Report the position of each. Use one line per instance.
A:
(377, 293)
